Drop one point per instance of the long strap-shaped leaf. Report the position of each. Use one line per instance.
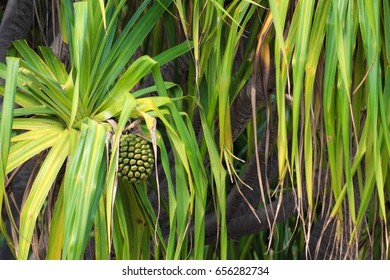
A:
(39, 191)
(84, 183)
(6, 128)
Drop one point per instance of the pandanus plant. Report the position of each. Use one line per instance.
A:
(279, 136)
(76, 120)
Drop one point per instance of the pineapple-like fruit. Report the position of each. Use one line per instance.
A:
(136, 158)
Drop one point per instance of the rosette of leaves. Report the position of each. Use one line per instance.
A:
(73, 119)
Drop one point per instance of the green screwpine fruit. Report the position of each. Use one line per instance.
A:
(136, 158)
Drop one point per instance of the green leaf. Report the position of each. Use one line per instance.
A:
(25, 150)
(84, 183)
(56, 235)
(8, 111)
(112, 180)
(56, 67)
(43, 182)
(6, 130)
(102, 241)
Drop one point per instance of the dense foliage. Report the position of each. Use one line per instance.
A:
(266, 120)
